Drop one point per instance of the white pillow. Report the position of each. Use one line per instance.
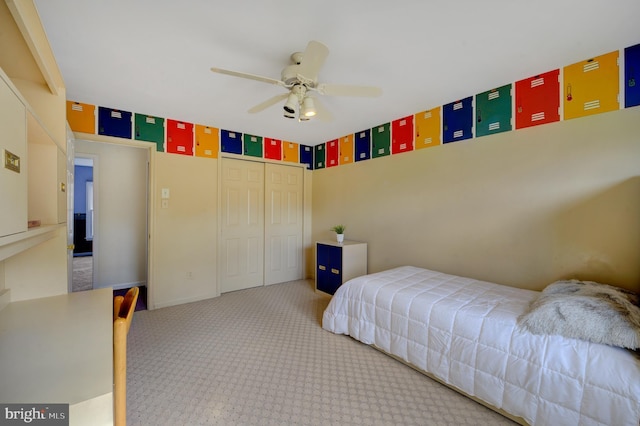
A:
(586, 310)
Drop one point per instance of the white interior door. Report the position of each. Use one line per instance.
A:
(283, 223)
(242, 217)
(70, 203)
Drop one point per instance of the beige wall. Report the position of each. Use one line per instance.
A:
(184, 234)
(522, 208)
(50, 109)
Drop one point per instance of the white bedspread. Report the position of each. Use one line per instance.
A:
(463, 331)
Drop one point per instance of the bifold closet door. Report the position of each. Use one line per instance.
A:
(242, 233)
(283, 223)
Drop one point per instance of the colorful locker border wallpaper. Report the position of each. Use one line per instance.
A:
(584, 88)
(180, 137)
(593, 86)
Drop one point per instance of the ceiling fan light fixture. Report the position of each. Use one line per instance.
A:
(289, 115)
(290, 105)
(308, 107)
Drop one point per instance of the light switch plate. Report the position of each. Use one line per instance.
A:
(165, 193)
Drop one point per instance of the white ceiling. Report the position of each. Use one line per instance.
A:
(153, 56)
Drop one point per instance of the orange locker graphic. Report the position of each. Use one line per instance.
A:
(346, 149)
(290, 152)
(332, 153)
(81, 117)
(179, 137)
(427, 128)
(538, 100)
(402, 135)
(207, 141)
(591, 86)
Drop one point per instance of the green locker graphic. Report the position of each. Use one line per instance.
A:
(493, 111)
(381, 140)
(319, 156)
(150, 129)
(252, 145)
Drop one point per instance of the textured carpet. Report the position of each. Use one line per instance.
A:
(82, 273)
(260, 357)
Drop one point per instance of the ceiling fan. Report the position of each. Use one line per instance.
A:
(301, 80)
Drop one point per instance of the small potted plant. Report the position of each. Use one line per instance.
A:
(339, 230)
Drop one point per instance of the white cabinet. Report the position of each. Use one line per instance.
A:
(32, 175)
(337, 263)
(13, 152)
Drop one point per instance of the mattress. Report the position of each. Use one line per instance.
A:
(464, 332)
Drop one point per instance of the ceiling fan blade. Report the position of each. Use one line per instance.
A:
(266, 104)
(345, 90)
(249, 76)
(322, 113)
(313, 58)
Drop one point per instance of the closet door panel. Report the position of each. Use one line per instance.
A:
(242, 233)
(283, 223)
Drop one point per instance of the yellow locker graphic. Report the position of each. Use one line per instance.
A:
(290, 152)
(81, 117)
(427, 128)
(591, 86)
(346, 149)
(207, 141)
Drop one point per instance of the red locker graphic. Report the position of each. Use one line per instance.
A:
(402, 135)
(538, 100)
(332, 153)
(272, 149)
(179, 137)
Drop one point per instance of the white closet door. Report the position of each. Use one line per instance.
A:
(242, 233)
(283, 223)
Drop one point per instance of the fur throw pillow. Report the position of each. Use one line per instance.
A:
(586, 310)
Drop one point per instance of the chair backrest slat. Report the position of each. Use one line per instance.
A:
(123, 308)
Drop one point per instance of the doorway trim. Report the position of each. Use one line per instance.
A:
(151, 148)
(95, 176)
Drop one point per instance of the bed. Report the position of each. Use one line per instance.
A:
(465, 333)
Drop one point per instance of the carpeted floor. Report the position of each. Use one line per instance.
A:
(83, 280)
(260, 357)
(82, 273)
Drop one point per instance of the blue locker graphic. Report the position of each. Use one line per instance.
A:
(457, 122)
(114, 122)
(231, 142)
(363, 145)
(632, 76)
(329, 261)
(306, 156)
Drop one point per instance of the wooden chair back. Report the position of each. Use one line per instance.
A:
(123, 308)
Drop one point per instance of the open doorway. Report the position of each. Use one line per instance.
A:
(83, 220)
(112, 230)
